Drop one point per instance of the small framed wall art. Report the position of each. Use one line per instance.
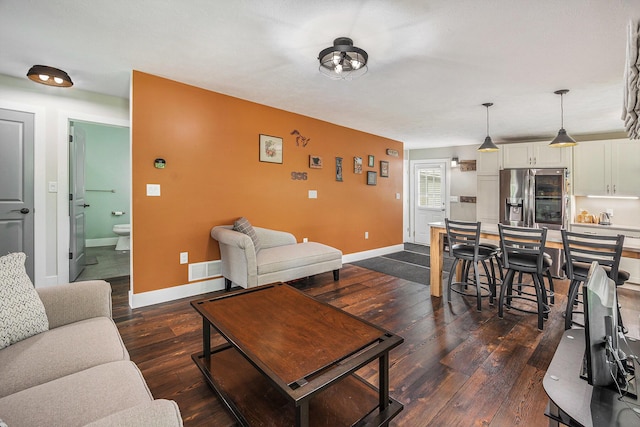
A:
(339, 169)
(372, 178)
(371, 161)
(384, 169)
(270, 149)
(315, 162)
(357, 165)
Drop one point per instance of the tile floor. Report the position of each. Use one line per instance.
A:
(110, 263)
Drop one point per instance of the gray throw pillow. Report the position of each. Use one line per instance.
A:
(22, 313)
(244, 226)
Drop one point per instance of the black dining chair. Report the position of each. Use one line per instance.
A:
(580, 251)
(464, 245)
(523, 252)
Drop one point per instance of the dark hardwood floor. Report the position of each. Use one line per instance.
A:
(457, 366)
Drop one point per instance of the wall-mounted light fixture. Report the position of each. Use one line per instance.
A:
(49, 76)
(454, 162)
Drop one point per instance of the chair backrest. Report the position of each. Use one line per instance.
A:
(462, 233)
(585, 248)
(522, 242)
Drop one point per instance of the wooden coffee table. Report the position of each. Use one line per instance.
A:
(291, 360)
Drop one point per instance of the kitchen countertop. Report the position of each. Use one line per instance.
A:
(611, 227)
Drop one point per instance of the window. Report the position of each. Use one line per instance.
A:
(429, 188)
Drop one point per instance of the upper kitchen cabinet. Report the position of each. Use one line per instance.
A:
(535, 155)
(607, 168)
(488, 163)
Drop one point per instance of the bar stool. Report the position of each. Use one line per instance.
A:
(523, 251)
(464, 245)
(580, 251)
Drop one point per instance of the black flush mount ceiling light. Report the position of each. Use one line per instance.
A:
(488, 145)
(49, 76)
(563, 139)
(343, 60)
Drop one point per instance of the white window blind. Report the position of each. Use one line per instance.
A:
(429, 188)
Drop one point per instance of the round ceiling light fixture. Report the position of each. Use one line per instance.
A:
(563, 139)
(343, 60)
(488, 145)
(49, 76)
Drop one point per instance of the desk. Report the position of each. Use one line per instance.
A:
(572, 400)
(490, 232)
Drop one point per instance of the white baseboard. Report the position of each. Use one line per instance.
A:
(107, 241)
(184, 291)
(175, 292)
(359, 256)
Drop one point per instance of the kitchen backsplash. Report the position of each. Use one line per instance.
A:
(625, 212)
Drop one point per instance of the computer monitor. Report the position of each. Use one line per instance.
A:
(605, 364)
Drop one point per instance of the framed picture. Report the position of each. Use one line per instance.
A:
(270, 149)
(315, 162)
(372, 161)
(339, 169)
(384, 169)
(357, 165)
(372, 178)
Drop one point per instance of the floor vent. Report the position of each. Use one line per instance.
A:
(204, 270)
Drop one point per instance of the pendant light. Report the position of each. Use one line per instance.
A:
(49, 76)
(488, 145)
(563, 139)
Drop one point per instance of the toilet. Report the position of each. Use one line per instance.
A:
(124, 239)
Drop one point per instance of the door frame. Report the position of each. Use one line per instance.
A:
(64, 120)
(39, 187)
(412, 189)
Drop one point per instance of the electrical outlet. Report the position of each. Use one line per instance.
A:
(610, 212)
(184, 257)
(305, 240)
(366, 234)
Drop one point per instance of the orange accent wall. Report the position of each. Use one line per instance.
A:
(213, 176)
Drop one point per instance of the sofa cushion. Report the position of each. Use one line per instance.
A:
(244, 226)
(22, 314)
(158, 413)
(291, 256)
(59, 352)
(77, 399)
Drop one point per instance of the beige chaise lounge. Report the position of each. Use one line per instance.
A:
(279, 259)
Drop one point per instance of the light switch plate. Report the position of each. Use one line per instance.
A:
(313, 194)
(53, 187)
(153, 190)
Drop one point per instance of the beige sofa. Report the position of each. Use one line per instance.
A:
(280, 258)
(78, 372)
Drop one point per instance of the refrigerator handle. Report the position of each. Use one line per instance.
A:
(530, 199)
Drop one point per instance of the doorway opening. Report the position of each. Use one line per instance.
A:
(100, 200)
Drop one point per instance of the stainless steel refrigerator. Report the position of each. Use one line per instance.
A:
(535, 198)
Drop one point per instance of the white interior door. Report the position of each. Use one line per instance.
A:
(77, 205)
(16, 185)
(429, 198)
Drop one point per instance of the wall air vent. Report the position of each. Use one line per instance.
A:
(204, 270)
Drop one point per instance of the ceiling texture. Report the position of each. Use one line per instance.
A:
(432, 63)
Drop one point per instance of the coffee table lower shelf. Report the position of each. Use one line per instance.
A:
(254, 401)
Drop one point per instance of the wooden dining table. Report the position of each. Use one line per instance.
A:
(490, 232)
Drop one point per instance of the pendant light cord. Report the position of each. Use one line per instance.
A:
(562, 111)
(487, 120)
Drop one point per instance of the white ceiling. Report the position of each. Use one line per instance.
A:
(431, 63)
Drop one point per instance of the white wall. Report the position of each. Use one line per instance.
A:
(53, 107)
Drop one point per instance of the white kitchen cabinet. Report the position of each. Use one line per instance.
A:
(488, 163)
(631, 237)
(607, 168)
(535, 155)
(488, 199)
